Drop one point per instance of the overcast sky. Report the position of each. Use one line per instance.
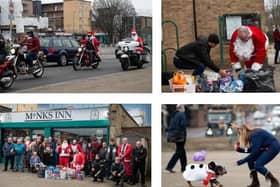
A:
(142, 4)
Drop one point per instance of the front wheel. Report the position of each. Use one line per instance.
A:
(39, 71)
(125, 64)
(76, 63)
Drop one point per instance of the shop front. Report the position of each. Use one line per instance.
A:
(61, 124)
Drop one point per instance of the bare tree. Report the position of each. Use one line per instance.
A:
(273, 7)
(108, 15)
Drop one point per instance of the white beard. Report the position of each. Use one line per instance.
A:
(244, 49)
(135, 37)
(64, 145)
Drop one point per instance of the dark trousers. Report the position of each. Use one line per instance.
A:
(30, 57)
(180, 153)
(11, 159)
(108, 167)
(191, 65)
(276, 55)
(264, 158)
(141, 167)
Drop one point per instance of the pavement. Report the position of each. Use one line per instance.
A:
(108, 77)
(18, 179)
(237, 176)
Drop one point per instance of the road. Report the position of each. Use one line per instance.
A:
(56, 74)
(237, 176)
(11, 179)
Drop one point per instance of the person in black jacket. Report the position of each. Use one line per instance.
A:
(196, 56)
(98, 168)
(139, 154)
(262, 147)
(178, 123)
(118, 171)
(9, 153)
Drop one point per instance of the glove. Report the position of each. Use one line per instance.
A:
(236, 66)
(256, 66)
(239, 162)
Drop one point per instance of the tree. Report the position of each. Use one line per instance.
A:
(108, 16)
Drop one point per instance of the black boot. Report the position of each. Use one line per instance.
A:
(272, 179)
(255, 180)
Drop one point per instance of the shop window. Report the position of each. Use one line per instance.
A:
(80, 133)
(232, 21)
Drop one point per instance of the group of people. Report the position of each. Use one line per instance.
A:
(97, 159)
(248, 46)
(261, 146)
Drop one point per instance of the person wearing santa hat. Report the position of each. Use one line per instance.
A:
(248, 45)
(75, 146)
(138, 39)
(93, 45)
(64, 151)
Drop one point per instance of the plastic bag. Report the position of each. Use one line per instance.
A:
(179, 78)
(259, 81)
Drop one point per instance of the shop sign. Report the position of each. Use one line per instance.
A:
(48, 115)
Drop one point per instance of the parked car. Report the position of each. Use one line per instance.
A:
(61, 50)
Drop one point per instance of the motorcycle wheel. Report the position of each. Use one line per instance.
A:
(76, 65)
(41, 72)
(9, 84)
(125, 64)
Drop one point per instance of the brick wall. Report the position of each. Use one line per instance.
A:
(207, 11)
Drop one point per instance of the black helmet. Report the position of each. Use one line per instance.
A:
(2, 41)
(30, 33)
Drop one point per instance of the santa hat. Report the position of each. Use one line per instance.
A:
(133, 31)
(90, 33)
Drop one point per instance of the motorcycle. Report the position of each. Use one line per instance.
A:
(82, 59)
(7, 72)
(20, 53)
(129, 54)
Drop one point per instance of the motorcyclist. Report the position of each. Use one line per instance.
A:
(33, 47)
(93, 45)
(138, 39)
(3, 51)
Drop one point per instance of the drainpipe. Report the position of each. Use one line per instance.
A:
(194, 19)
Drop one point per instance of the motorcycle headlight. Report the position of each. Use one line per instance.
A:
(125, 49)
(12, 51)
(80, 49)
(273, 132)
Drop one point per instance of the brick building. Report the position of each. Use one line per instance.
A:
(201, 17)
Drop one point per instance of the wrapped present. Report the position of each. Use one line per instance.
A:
(49, 172)
(63, 174)
(70, 173)
(56, 173)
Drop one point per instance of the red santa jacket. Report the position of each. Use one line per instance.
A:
(125, 150)
(75, 147)
(79, 159)
(33, 44)
(260, 42)
(95, 44)
(65, 152)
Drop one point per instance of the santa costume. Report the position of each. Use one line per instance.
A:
(64, 151)
(78, 161)
(251, 52)
(94, 41)
(124, 151)
(76, 147)
(138, 39)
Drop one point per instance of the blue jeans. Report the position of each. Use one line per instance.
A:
(264, 158)
(30, 57)
(19, 162)
(198, 67)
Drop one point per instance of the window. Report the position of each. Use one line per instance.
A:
(232, 21)
(57, 43)
(44, 42)
(66, 43)
(75, 43)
